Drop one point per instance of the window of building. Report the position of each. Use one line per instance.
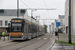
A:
(6, 23)
(0, 23)
(61, 20)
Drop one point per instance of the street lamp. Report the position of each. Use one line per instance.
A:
(37, 23)
(69, 21)
(17, 8)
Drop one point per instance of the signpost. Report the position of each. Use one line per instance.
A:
(69, 22)
(57, 25)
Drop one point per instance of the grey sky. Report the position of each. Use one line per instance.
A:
(44, 14)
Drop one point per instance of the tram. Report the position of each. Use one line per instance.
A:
(22, 29)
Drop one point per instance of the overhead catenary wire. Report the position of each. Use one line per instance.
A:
(37, 8)
(32, 3)
(46, 7)
(36, 3)
(25, 4)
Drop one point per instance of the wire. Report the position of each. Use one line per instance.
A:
(31, 3)
(44, 3)
(25, 4)
(46, 7)
(36, 3)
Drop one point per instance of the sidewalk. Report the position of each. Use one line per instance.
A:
(2, 39)
(63, 37)
(58, 46)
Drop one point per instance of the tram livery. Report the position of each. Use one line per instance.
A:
(22, 29)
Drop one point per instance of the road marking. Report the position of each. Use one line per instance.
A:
(45, 38)
(39, 38)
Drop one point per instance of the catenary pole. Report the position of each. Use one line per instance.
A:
(17, 8)
(69, 22)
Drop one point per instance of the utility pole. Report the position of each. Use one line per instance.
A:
(37, 24)
(31, 22)
(69, 22)
(44, 25)
(17, 8)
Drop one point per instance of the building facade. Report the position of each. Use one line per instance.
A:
(72, 16)
(6, 16)
(49, 28)
(66, 15)
(55, 28)
(61, 19)
(45, 28)
(52, 27)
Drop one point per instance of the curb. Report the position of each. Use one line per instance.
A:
(49, 48)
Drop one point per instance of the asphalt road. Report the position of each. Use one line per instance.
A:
(39, 43)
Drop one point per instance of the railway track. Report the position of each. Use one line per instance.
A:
(15, 43)
(26, 44)
(10, 44)
(44, 43)
(33, 43)
(29, 43)
(7, 42)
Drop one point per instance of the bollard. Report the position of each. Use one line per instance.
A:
(8, 36)
(0, 37)
(4, 38)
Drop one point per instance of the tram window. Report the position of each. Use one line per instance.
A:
(16, 28)
(29, 29)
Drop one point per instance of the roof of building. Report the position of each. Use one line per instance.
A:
(52, 23)
(61, 16)
(12, 12)
(56, 20)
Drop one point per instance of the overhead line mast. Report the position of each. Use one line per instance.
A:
(17, 8)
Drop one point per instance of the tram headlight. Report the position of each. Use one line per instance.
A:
(22, 33)
(10, 34)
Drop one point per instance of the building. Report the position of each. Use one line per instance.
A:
(61, 19)
(66, 15)
(45, 27)
(6, 16)
(52, 27)
(55, 25)
(49, 28)
(72, 16)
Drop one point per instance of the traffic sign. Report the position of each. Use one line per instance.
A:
(58, 24)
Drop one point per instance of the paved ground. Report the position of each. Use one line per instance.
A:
(58, 46)
(63, 37)
(40, 43)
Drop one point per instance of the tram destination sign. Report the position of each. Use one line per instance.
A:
(16, 20)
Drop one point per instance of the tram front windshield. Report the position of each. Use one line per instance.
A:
(17, 27)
